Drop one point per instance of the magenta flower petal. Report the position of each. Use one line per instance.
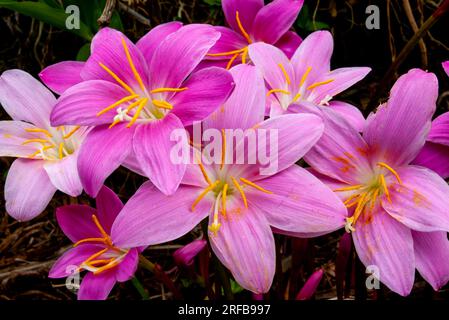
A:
(97, 287)
(446, 67)
(107, 49)
(156, 159)
(71, 259)
(439, 132)
(150, 217)
(61, 76)
(182, 51)
(245, 245)
(229, 41)
(128, 266)
(275, 19)
(309, 288)
(421, 202)
(413, 101)
(207, 90)
(64, 175)
(12, 135)
(108, 207)
(249, 92)
(102, 152)
(434, 156)
(289, 43)
(247, 12)
(76, 222)
(80, 104)
(387, 244)
(25, 98)
(149, 42)
(432, 257)
(184, 256)
(28, 190)
(299, 203)
(351, 113)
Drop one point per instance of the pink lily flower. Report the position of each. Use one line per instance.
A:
(242, 204)
(184, 256)
(309, 288)
(94, 250)
(136, 95)
(400, 211)
(307, 78)
(250, 22)
(435, 154)
(47, 156)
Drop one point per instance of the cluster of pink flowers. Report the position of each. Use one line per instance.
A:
(380, 178)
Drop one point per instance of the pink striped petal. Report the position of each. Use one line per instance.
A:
(62, 75)
(64, 175)
(97, 287)
(229, 41)
(67, 264)
(439, 132)
(351, 113)
(247, 10)
(12, 135)
(76, 222)
(128, 266)
(108, 207)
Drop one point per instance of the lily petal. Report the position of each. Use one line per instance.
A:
(446, 67)
(351, 113)
(247, 12)
(289, 43)
(108, 207)
(97, 287)
(128, 266)
(439, 132)
(229, 41)
(76, 222)
(435, 157)
(62, 75)
(12, 136)
(64, 175)
(67, 264)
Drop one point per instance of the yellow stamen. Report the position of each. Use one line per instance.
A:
(116, 104)
(42, 141)
(360, 207)
(102, 231)
(116, 78)
(242, 30)
(231, 61)
(114, 124)
(48, 134)
(203, 171)
(373, 199)
(159, 90)
(296, 97)
(277, 90)
(287, 77)
(355, 187)
(133, 105)
(131, 64)
(89, 240)
(252, 184)
(386, 166)
(214, 227)
(384, 185)
(348, 203)
(239, 188)
(227, 53)
(34, 154)
(107, 267)
(100, 261)
(60, 150)
(137, 113)
(71, 133)
(304, 76)
(47, 148)
(223, 199)
(203, 194)
(162, 104)
(95, 255)
(223, 148)
(317, 84)
(244, 55)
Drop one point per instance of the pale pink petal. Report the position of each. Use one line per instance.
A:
(182, 51)
(299, 203)
(108, 207)
(351, 113)
(207, 90)
(25, 98)
(149, 42)
(97, 287)
(245, 245)
(289, 43)
(102, 152)
(435, 157)
(132, 164)
(421, 202)
(80, 104)
(64, 175)
(76, 222)
(439, 132)
(28, 190)
(432, 257)
(385, 244)
(150, 217)
(246, 105)
(275, 19)
(247, 12)
(153, 146)
(62, 75)
(12, 136)
(399, 129)
(127, 266)
(69, 262)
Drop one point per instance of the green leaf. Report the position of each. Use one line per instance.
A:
(45, 13)
(84, 52)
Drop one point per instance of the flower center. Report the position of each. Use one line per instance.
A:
(140, 105)
(366, 196)
(106, 258)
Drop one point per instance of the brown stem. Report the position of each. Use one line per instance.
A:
(108, 10)
(415, 28)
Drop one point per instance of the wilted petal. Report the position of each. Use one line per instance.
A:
(62, 75)
(434, 156)
(64, 175)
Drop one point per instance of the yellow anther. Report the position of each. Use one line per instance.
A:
(107, 267)
(42, 141)
(133, 105)
(159, 90)
(95, 255)
(89, 240)
(114, 124)
(384, 185)
(34, 154)
(60, 150)
(317, 84)
(131, 64)
(38, 130)
(239, 188)
(203, 171)
(116, 104)
(296, 97)
(137, 113)
(203, 194)
(116, 78)
(355, 187)
(304, 76)
(227, 53)
(277, 90)
(71, 133)
(102, 231)
(386, 166)
(214, 227)
(223, 148)
(244, 55)
(162, 104)
(252, 184)
(287, 77)
(242, 30)
(231, 61)
(223, 199)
